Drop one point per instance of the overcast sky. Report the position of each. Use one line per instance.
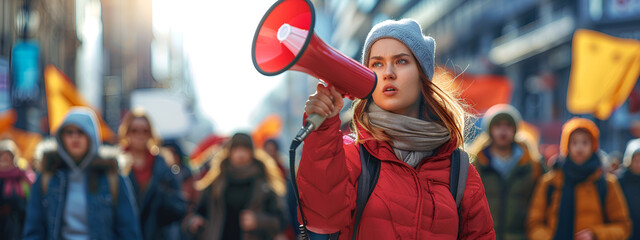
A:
(217, 38)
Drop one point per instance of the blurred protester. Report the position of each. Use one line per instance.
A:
(630, 183)
(272, 147)
(79, 194)
(508, 171)
(47, 144)
(152, 172)
(185, 176)
(578, 199)
(411, 127)
(14, 187)
(241, 196)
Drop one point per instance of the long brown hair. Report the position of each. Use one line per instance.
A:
(439, 104)
(154, 142)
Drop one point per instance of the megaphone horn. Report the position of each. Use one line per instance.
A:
(284, 40)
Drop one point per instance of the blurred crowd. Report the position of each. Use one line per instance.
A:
(145, 188)
(78, 187)
(580, 193)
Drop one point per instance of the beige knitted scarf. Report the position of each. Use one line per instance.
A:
(412, 139)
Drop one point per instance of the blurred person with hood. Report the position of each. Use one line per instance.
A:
(578, 199)
(508, 169)
(152, 172)
(241, 196)
(14, 187)
(79, 194)
(630, 183)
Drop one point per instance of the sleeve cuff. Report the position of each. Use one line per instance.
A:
(328, 123)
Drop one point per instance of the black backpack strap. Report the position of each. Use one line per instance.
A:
(601, 185)
(366, 183)
(334, 236)
(458, 175)
(455, 172)
(458, 180)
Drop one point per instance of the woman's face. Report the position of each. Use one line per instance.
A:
(75, 141)
(502, 133)
(271, 149)
(6, 160)
(399, 86)
(580, 146)
(139, 134)
(240, 156)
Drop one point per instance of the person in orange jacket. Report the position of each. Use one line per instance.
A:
(577, 199)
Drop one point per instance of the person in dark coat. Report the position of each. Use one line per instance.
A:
(14, 190)
(241, 196)
(509, 170)
(152, 172)
(630, 183)
(185, 176)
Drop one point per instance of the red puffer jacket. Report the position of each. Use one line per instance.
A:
(406, 203)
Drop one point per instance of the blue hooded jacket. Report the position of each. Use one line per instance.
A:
(75, 201)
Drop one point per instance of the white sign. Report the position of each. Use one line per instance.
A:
(167, 111)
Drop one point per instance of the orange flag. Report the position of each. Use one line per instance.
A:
(7, 119)
(270, 127)
(61, 96)
(474, 88)
(604, 70)
(26, 141)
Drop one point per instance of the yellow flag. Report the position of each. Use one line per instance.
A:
(604, 70)
(61, 96)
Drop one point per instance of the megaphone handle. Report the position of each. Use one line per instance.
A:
(316, 120)
(313, 122)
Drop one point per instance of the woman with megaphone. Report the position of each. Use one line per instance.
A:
(412, 129)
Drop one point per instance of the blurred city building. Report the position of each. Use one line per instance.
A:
(38, 32)
(109, 49)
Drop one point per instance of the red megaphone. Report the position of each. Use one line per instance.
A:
(285, 40)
